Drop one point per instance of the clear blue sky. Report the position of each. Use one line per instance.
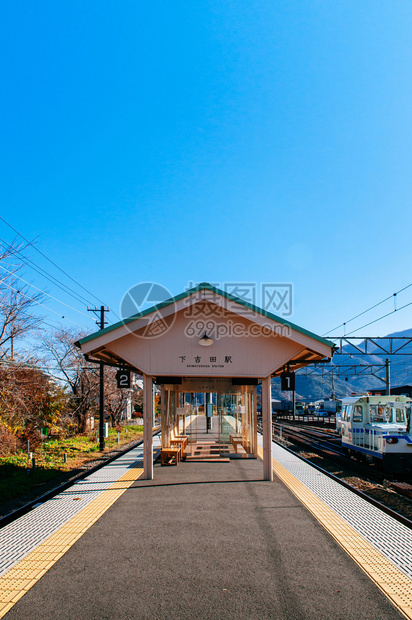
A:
(243, 140)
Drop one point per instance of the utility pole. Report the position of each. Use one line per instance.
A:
(388, 375)
(101, 324)
(12, 340)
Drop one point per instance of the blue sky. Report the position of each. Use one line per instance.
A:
(257, 141)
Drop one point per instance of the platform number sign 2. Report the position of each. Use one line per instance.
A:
(123, 378)
(287, 382)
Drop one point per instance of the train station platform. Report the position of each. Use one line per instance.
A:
(201, 540)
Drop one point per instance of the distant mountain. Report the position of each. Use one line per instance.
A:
(315, 387)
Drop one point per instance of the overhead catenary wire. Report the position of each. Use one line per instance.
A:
(380, 318)
(393, 296)
(53, 263)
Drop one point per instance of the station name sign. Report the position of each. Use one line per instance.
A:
(205, 361)
(207, 384)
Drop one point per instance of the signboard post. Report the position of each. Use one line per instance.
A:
(123, 379)
(287, 381)
(287, 384)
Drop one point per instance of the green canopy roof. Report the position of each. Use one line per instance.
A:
(213, 289)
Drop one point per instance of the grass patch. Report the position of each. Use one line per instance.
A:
(17, 478)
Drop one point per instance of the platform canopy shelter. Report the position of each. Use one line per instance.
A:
(208, 341)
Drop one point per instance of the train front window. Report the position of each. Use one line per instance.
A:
(388, 414)
(378, 413)
(381, 414)
(357, 413)
(400, 415)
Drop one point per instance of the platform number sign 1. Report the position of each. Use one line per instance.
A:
(123, 378)
(287, 382)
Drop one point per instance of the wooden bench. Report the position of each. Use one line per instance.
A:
(237, 441)
(180, 441)
(170, 456)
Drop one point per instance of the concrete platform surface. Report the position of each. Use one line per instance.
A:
(208, 541)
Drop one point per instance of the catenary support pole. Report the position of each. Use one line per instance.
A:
(148, 427)
(267, 428)
(388, 375)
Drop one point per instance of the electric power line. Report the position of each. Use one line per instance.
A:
(45, 274)
(52, 262)
(42, 305)
(41, 291)
(18, 364)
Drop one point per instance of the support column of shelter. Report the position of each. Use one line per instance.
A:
(254, 418)
(267, 428)
(148, 427)
(163, 414)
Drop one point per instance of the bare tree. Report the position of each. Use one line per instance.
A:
(116, 400)
(16, 302)
(79, 375)
(82, 378)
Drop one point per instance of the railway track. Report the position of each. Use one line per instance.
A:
(328, 446)
(314, 441)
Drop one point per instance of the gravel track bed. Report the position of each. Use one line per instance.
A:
(380, 492)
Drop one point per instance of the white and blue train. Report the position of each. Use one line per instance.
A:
(378, 429)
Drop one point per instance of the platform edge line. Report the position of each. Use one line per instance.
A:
(34, 569)
(326, 516)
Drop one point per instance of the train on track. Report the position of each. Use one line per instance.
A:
(378, 429)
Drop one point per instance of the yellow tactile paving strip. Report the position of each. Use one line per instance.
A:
(20, 578)
(393, 582)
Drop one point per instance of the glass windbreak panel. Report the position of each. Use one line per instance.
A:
(228, 411)
(191, 419)
(170, 418)
(237, 422)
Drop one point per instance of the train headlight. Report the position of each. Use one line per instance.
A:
(391, 440)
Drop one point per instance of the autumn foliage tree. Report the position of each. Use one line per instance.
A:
(29, 401)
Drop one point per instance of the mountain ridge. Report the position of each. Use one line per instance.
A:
(315, 387)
